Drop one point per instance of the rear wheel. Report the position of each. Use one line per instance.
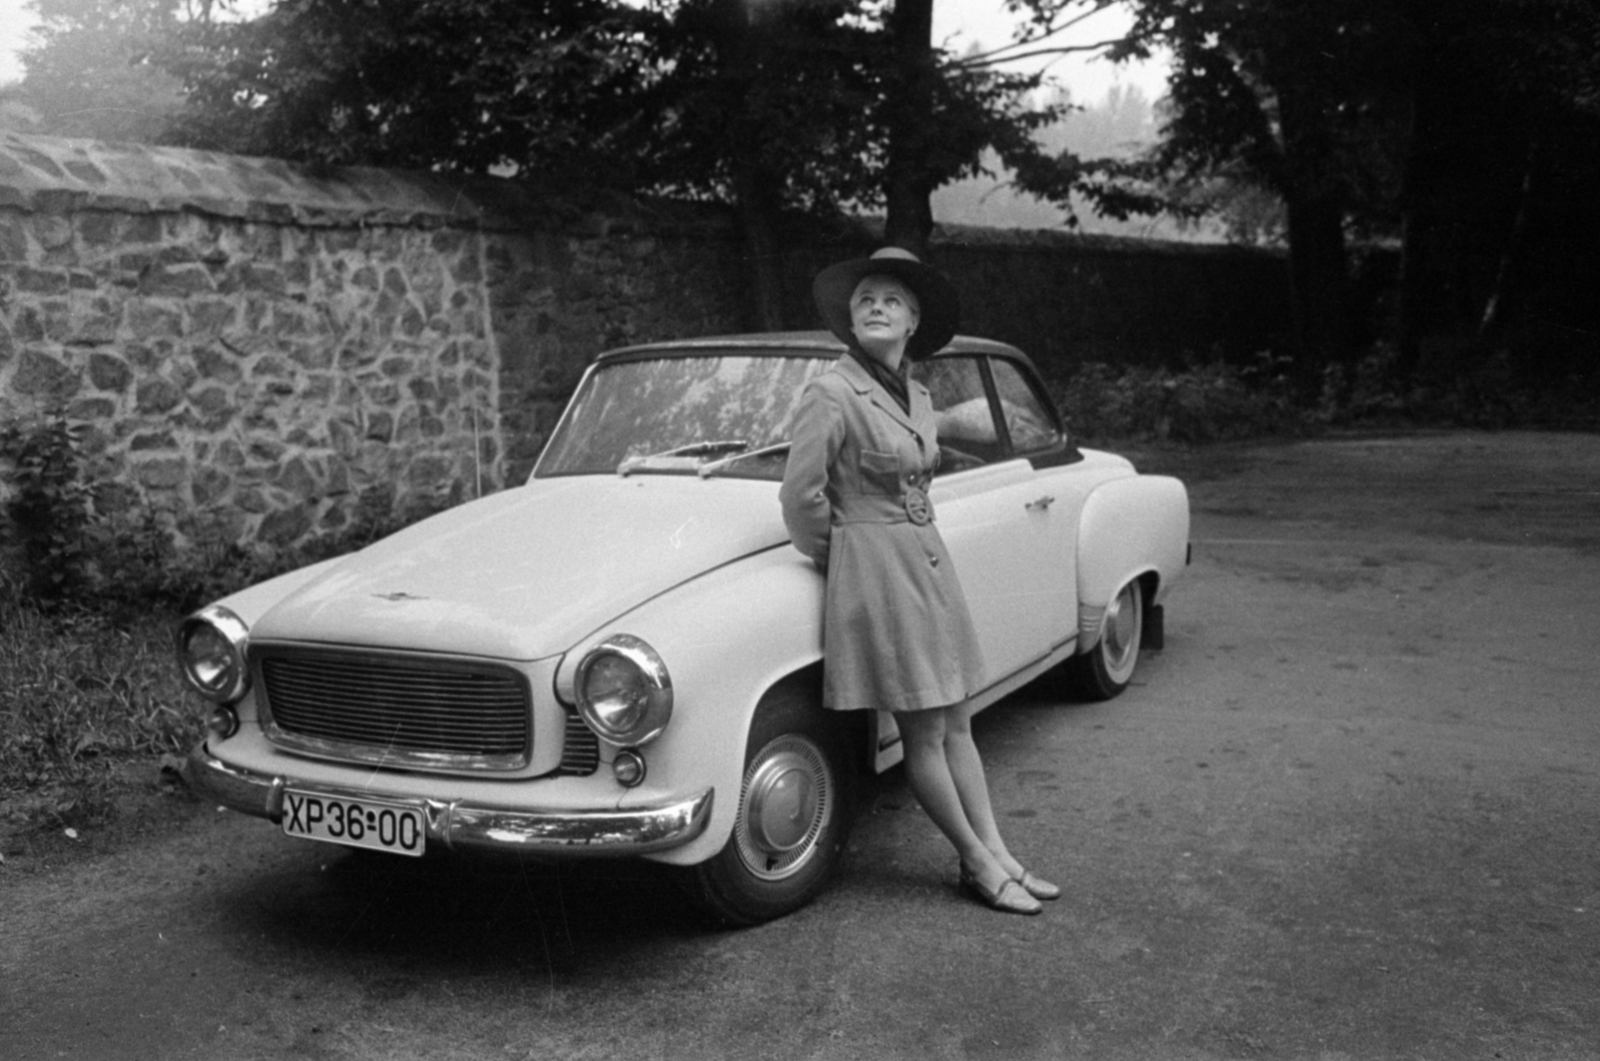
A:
(1105, 670)
(793, 815)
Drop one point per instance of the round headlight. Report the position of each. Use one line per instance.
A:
(211, 654)
(623, 690)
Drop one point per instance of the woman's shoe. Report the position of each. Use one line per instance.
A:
(1038, 887)
(1009, 898)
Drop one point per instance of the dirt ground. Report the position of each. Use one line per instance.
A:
(1349, 813)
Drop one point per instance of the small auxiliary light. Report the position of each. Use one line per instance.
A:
(628, 768)
(223, 723)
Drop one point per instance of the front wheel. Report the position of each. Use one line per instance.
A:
(792, 820)
(1107, 668)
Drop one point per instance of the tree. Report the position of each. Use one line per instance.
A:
(775, 107)
(911, 174)
(1433, 120)
(90, 72)
(1284, 94)
(941, 112)
(1497, 198)
(1121, 126)
(780, 107)
(545, 86)
(768, 108)
(759, 107)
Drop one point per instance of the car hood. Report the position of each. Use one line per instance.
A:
(529, 572)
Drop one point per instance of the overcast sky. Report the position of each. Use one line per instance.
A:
(14, 22)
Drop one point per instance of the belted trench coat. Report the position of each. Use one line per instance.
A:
(897, 634)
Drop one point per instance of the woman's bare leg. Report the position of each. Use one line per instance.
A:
(927, 739)
(972, 786)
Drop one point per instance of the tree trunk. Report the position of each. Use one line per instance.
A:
(1495, 305)
(1318, 267)
(1415, 316)
(758, 211)
(757, 202)
(1320, 280)
(907, 186)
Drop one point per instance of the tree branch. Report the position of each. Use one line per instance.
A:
(1045, 13)
(998, 56)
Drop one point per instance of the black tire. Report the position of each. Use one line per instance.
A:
(793, 815)
(1107, 668)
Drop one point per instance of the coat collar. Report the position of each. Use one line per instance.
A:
(860, 379)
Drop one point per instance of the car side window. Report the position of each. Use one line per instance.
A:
(967, 432)
(1030, 422)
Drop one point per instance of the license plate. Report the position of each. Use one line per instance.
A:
(371, 824)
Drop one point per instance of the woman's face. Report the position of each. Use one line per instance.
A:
(883, 314)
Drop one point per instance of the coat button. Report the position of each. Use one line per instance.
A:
(934, 560)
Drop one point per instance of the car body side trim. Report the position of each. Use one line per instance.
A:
(459, 825)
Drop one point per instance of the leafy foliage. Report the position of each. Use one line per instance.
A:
(674, 95)
(1208, 401)
(91, 73)
(74, 559)
(773, 107)
(87, 607)
(64, 556)
(1461, 128)
(466, 85)
(1203, 402)
(48, 513)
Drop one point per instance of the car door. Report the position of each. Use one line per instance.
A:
(999, 518)
(1035, 434)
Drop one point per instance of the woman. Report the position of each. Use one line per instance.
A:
(897, 635)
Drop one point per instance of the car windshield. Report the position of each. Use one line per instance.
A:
(726, 412)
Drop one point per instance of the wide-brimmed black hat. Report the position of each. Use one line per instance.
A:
(938, 305)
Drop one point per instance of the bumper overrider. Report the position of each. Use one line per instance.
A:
(464, 826)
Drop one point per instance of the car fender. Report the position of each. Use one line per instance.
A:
(251, 603)
(1128, 528)
(726, 638)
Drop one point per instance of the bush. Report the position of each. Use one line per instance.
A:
(88, 604)
(1217, 401)
(48, 516)
(1463, 383)
(1200, 403)
(66, 556)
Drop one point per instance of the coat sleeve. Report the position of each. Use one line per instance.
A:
(814, 444)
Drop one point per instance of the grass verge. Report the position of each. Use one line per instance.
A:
(81, 697)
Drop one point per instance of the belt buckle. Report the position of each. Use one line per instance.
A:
(919, 509)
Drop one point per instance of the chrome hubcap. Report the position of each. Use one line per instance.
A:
(786, 802)
(1121, 638)
(783, 801)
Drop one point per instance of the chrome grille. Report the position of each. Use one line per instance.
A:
(397, 710)
(580, 750)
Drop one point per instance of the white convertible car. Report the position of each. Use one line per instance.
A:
(622, 656)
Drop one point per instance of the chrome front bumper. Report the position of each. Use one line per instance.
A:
(462, 826)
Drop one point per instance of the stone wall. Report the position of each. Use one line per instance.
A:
(272, 352)
(250, 347)
(610, 276)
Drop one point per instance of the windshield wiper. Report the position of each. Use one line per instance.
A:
(711, 468)
(680, 458)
